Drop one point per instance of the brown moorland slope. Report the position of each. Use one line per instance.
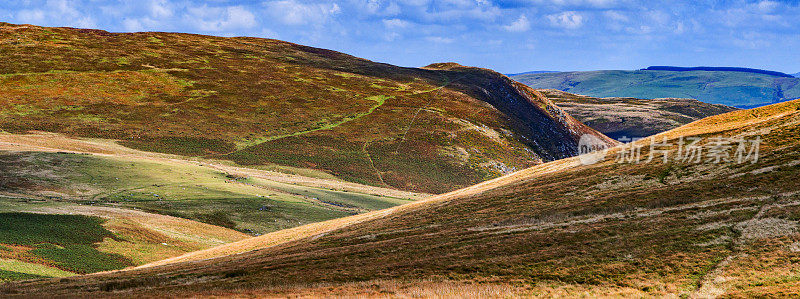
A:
(261, 102)
(641, 229)
(620, 118)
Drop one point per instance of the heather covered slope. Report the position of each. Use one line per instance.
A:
(681, 228)
(263, 102)
(621, 118)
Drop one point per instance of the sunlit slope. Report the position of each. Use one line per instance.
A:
(75, 206)
(265, 102)
(51, 167)
(648, 229)
(58, 239)
(57, 143)
(322, 228)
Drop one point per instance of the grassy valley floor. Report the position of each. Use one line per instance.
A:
(134, 207)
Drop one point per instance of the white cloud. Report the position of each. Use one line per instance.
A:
(450, 11)
(567, 19)
(85, 22)
(484, 13)
(218, 19)
(520, 25)
(132, 25)
(767, 6)
(642, 30)
(361, 26)
(160, 9)
(588, 3)
(391, 36)
(292, 12)
(34, 16)
(269, 34)
(752, 41)
(679, 28)
(440, 40)
(396, 23)
(142, 24)
(372, 6)
(56, 13)
(393, 9)
(615, 16)
(658, 17)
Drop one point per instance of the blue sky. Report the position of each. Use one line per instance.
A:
(508, 35)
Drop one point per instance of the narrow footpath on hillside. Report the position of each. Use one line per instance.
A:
(380, 100)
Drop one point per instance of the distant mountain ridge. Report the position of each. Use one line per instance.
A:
(531, 72)
(736, 87)
(796, 75)
(717, 69)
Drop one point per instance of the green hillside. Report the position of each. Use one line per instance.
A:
(737, 89)
(181, 189)
(680, 229)
(266, 102)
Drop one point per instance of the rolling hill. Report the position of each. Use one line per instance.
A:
(561, 228)
(249, 200)
(40, 239)
(124, 207)
(630, 118)
(173, 143)
(75, 206)
(731, 88)
(262, 102)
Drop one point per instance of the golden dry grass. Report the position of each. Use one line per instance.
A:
(658, 240)
(728, 121)
(734, 120)
(148, 237)
(429, 288)
(320, 228)
(53, 142)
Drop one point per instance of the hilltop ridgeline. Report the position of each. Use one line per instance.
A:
(717, 69)
(268, 102)
(731, 87)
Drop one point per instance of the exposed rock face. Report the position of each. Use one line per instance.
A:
(550, 131)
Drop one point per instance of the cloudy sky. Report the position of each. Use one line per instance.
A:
(506, 35)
